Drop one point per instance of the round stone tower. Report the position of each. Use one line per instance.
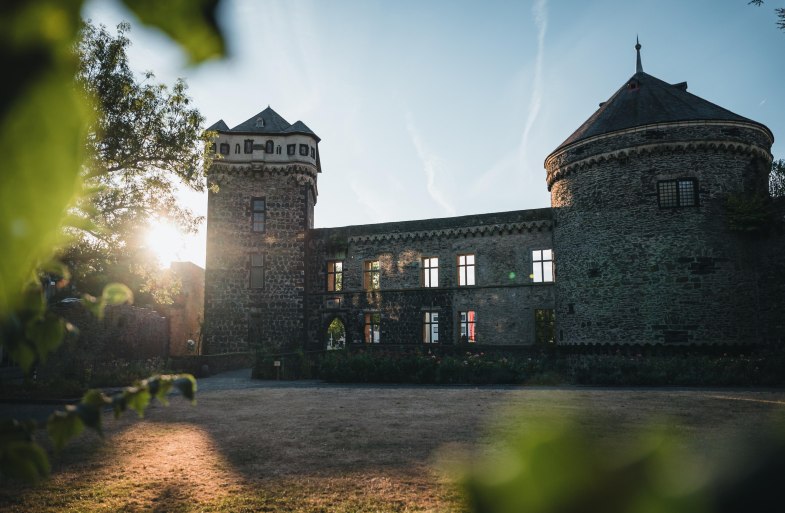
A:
(642, 243)
(260, 207)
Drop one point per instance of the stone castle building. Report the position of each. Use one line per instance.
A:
(635, 249)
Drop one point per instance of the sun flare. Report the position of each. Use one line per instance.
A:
(166, 242)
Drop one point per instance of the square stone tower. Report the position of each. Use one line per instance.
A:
(260, 208)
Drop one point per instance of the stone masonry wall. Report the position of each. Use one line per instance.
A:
(504, 297)
(238, 318)
(632, 272)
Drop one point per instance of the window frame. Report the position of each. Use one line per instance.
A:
(258, 266)
(248, 146)
(430, 327)
(465, 267)
(368, 273)
(224, 148)
(372, 325)
(677, 193)
(429, 273)
(269, 147)
(542, 261)
(334, 276)
(254, 212)
(467, 326)
(291, 149)
(303, 150)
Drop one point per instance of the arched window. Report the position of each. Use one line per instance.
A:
(336, 335)
(237, 148)
(269, 147)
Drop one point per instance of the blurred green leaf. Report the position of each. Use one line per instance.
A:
(186, 384)
(64, 425)
(192, 23)
(116, 294)
(23, 460)
(137, 398)
(46, 334)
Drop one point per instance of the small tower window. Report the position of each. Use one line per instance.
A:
(248, 146)
(542, 265)
(269, 146)
(304, 150)
(258, 214)
(212, 148)
(290, 149)
(256, 280)
(278, 150)
(237, 148)
(677, 193)
(224, 148)
(259, 122)
(313, 153)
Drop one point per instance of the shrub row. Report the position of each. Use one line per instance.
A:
(758, 369)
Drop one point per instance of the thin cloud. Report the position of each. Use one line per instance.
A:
(430, 164)
(540, 12)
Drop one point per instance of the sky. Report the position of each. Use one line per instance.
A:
(448, 107)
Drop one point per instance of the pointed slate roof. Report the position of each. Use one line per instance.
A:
(266, 122)
(218, 126)
(645, 100)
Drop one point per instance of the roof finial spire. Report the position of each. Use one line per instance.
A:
(638, 65)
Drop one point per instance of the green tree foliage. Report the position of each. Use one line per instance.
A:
(145, 140)
(779, 11)
(47, 126)
(777, 179)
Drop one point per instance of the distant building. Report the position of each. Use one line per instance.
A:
(635, 249)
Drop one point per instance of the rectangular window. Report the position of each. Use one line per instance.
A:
(334, 275)
(430, 272)
(677, 193)
(277, 150)
(313, 153)
(467, 321)
(258, 213)
(257, 271)
(430, 328)
(542, 265)
(304, 150)
(544, 326)
(224, 149)
(465, 270)
(290, 149)
(372, 328)
(248, 147)
(371, 275)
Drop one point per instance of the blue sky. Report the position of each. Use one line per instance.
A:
(440, 108)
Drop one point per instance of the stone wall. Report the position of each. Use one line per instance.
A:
(186, 312)
(504, 297)
(632, 272)
(239, 318)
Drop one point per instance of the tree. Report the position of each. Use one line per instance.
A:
(777, 179)
(780, 11)
(44, 122)
(145, 140)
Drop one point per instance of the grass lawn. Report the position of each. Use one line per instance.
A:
(348, 448)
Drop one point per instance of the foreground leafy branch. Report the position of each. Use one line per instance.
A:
(21, 457)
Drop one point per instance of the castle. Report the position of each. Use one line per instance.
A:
(635, 249)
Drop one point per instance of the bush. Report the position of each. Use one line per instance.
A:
(551, 368)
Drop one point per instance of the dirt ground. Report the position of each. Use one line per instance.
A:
(345, 448)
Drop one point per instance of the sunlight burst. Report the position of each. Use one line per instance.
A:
(166, 242)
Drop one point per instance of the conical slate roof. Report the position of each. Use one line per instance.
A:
(218, 126)
(645, 100)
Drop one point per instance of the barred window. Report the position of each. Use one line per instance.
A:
(258, 214)
(334, 275)
(430, 272)
(677, 193)
(430, 327)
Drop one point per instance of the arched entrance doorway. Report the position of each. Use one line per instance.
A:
(336, 334)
